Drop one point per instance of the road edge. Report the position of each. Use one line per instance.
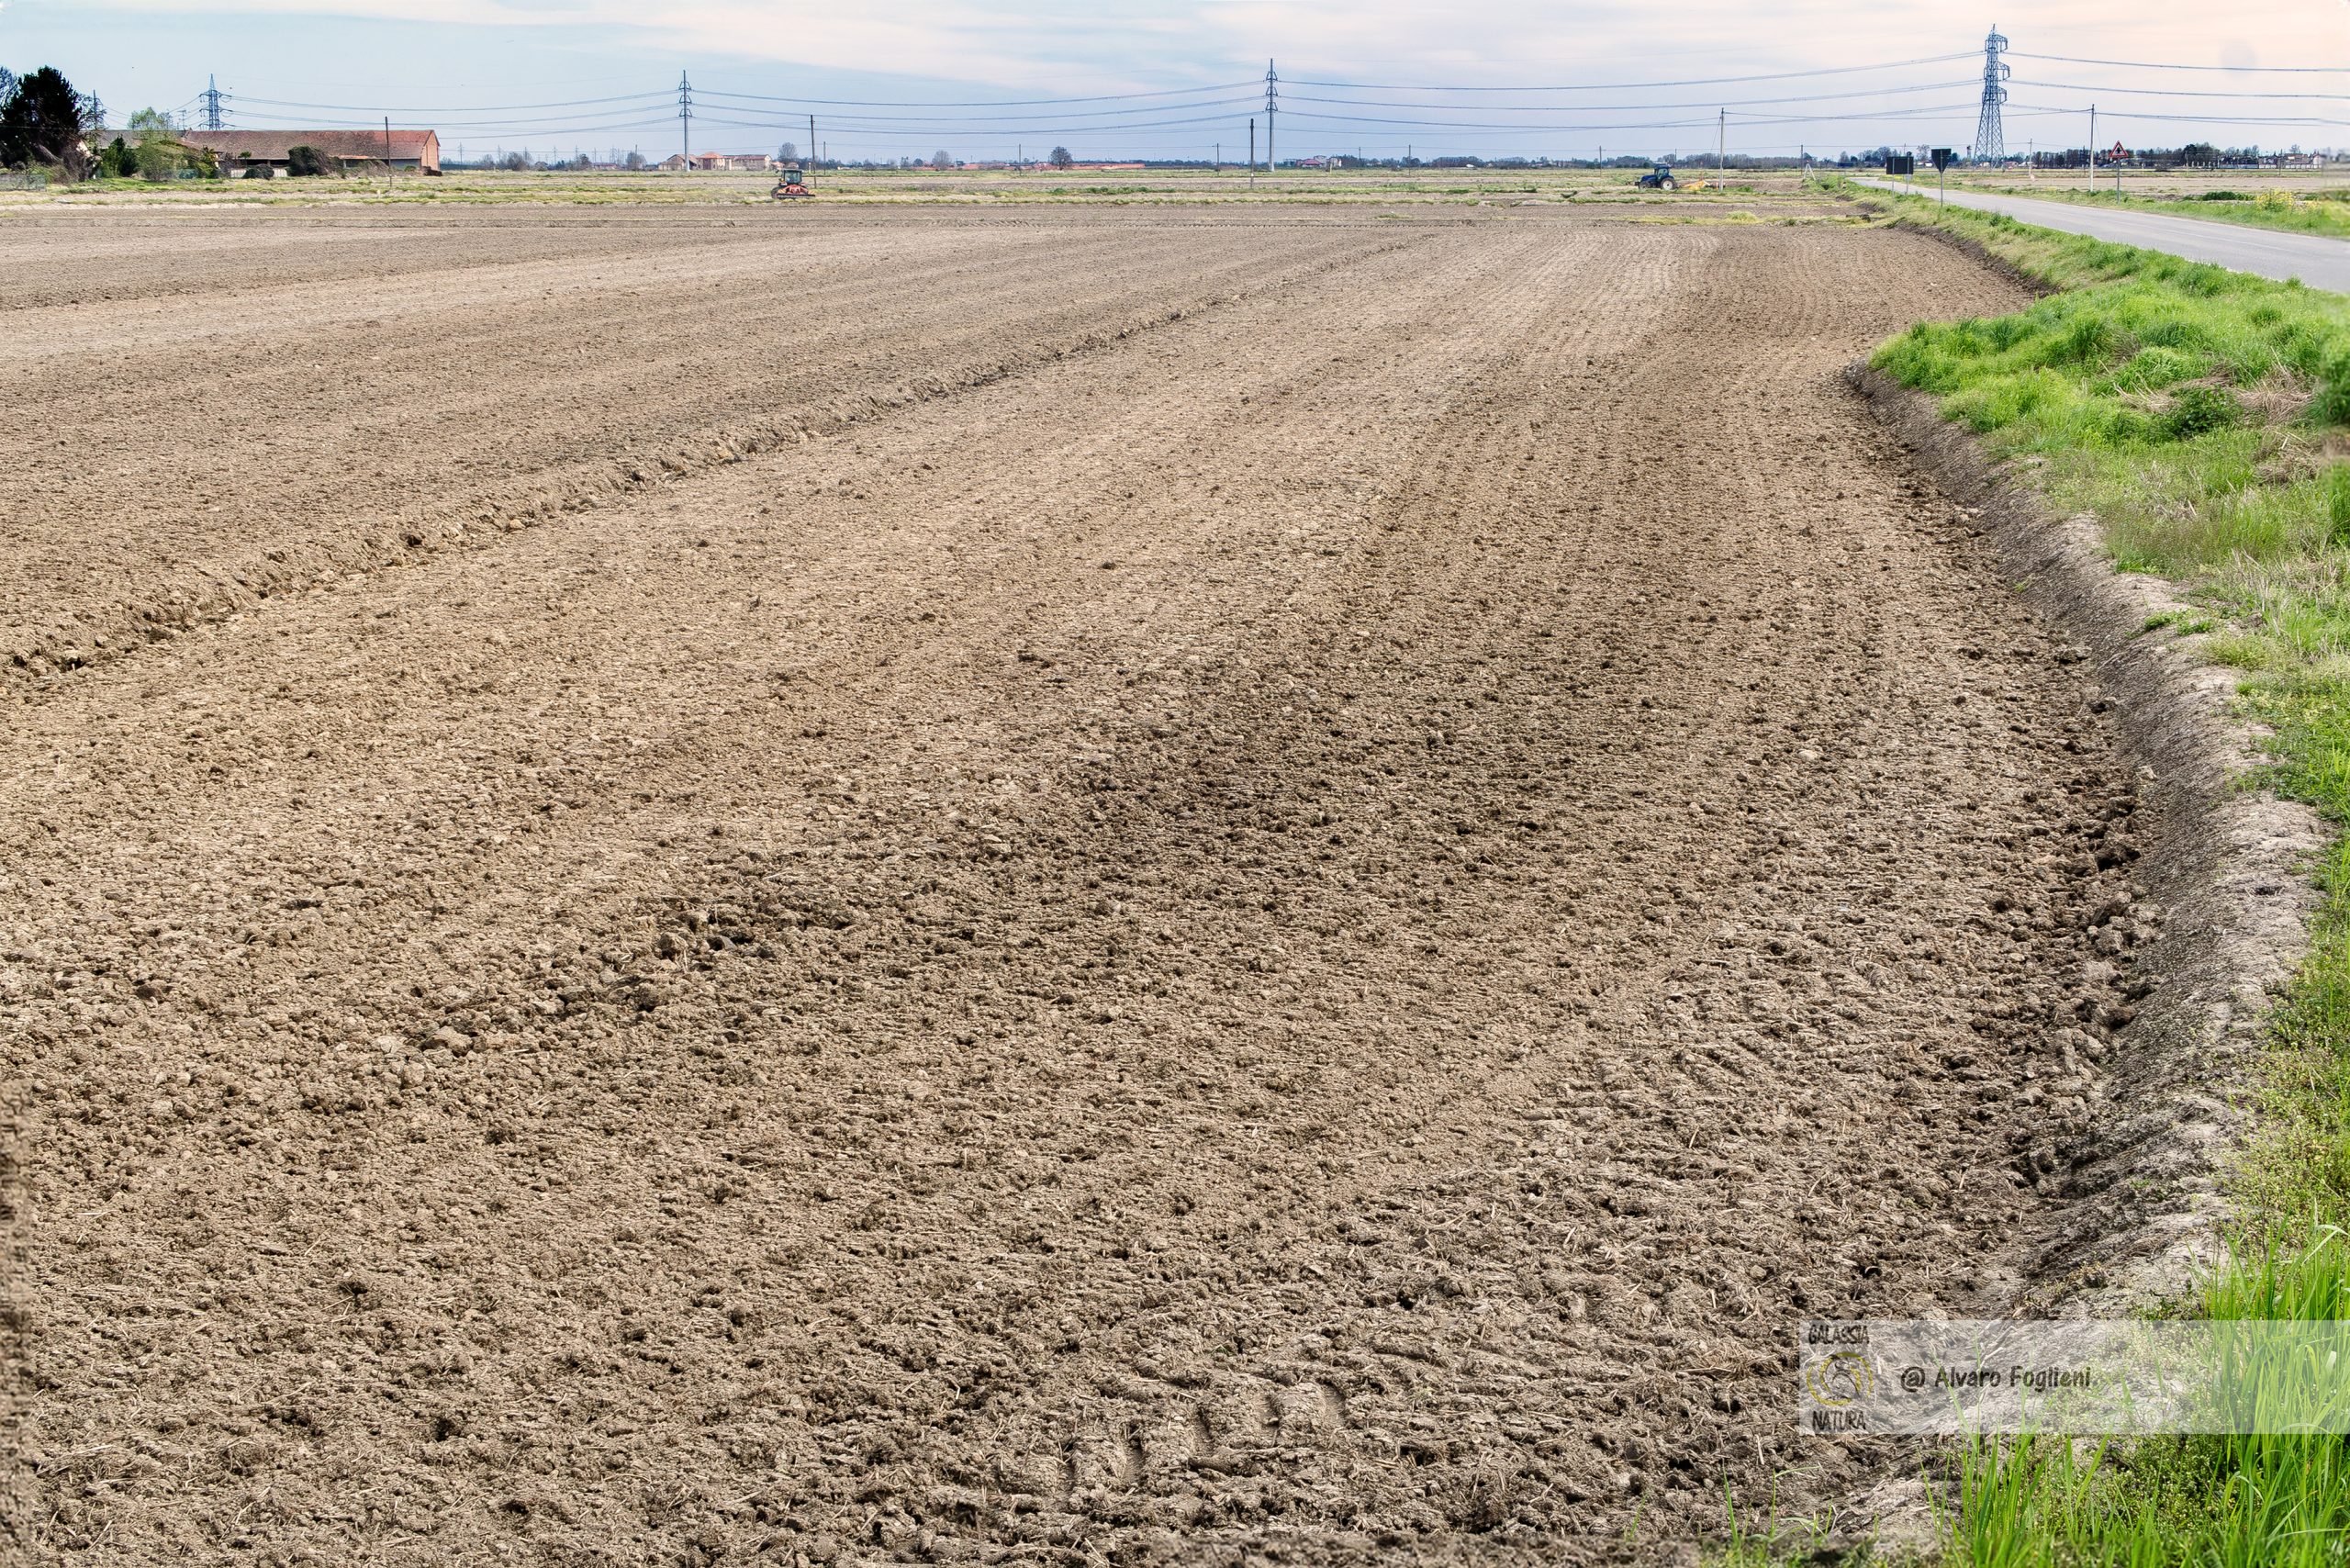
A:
(2229, 863)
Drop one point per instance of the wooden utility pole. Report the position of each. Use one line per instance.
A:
(2092, 149)
(1252, 152)
(1721, 145)
(387, 152)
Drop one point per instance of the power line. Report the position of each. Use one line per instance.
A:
(2185, 120)
(1333, 113)
(980, 103)
(2179, 92)
(455, 109)
(1705, 103)
(878, 132)
(917, 121)
(1633, 86)
(1928, 112)
(630, 119)
(2165, 65)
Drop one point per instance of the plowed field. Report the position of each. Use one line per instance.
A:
(898, 888)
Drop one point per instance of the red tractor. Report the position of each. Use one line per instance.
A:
(790, 186)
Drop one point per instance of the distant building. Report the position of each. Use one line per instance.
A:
(262, 155)
(722, 161)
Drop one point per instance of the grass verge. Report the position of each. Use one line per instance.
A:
(2203, 416)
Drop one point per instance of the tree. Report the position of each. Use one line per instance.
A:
(41, 123)
(156, 152)
(1060, 158)
(305, 161)
(787, 153)
(635, 160)
(158, 160)
(941, 159)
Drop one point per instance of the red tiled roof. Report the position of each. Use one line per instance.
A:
(273, 145)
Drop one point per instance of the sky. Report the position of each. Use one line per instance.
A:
(1167, 79)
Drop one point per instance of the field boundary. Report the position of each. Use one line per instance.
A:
(2231, 866)
(1981, 254)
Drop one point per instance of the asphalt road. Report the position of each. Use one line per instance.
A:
(2318, 262)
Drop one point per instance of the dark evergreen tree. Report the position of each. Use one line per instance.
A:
(41, 122)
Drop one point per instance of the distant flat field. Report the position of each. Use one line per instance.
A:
(1417, 188)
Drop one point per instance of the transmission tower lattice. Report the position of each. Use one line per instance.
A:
(1990, 141)
(212, 97)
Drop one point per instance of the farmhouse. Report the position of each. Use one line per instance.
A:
(724, 160)
(262, 155)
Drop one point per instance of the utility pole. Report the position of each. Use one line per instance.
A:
(685, 120)
(1252, 152)
(1273, 96)
(1721, 145)
(813, 160)
(387, 152)
(2092, 149)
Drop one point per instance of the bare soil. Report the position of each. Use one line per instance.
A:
(1087, 889)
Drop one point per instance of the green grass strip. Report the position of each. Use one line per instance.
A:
(2201, 415)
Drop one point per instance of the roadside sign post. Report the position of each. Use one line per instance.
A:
(1942, 160)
